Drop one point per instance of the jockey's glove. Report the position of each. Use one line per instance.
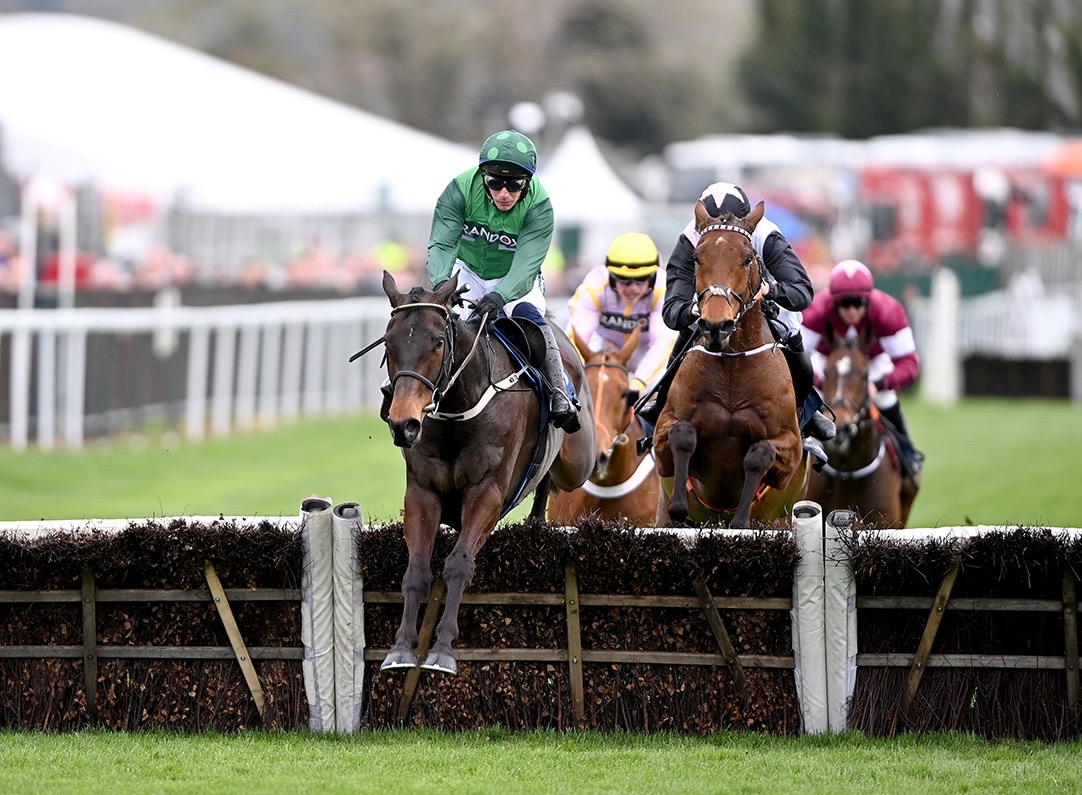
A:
(491, 304)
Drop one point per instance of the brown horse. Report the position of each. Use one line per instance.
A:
(624, 485)
(862, 473)
(728, 441)
(475, 441)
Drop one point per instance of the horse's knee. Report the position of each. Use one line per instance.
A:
(682, 438)
(458, 568)
(759, 458)
(417, 579)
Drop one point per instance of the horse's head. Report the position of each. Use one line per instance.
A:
(419, 341)
(728, 273)
(613, 397)
(845, 388)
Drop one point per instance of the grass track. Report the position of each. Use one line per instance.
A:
(989, 461)
(498, 762)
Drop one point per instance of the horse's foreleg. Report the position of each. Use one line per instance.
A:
(760, 457)
(541, 497)
(682, 439)
(417, 581)
(479, 515)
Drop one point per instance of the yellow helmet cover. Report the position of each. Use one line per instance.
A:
(632, 255)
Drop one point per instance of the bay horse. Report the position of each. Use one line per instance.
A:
(476, 442)
(728, 441)
(862, 473)
(623, 485)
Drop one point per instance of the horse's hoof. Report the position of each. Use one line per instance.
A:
(440, 662)
(398, 660)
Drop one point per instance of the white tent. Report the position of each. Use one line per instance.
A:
(587, 195)
(86, 100)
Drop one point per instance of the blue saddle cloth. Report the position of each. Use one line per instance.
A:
(515, 341)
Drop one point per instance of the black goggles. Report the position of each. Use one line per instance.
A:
(850, 302)
(496, 183)
(628, 282)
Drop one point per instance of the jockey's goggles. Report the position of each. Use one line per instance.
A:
(497, 183)
(851, 302)
(629, 282)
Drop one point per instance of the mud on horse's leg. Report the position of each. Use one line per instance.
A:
(682, 440)
(760, 457)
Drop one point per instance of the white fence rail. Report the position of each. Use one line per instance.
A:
(247, 365)
(243, 366)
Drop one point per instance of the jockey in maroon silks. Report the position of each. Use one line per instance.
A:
(854, 307)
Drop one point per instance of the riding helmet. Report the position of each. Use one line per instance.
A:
(632, 255)
(508, 153)
(724, 198)
(850, 278)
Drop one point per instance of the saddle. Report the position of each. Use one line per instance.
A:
(526, 344)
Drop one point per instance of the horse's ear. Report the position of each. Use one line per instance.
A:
(752, 219)
(447, 289)
(702, 216)
(581, 345)
(630, 345)
(866, 337)
(391, 288)
(829, 335)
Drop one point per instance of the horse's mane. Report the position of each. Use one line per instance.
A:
(415, 294)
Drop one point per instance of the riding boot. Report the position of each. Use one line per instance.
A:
(562, 412)
(808, 399)
(912, 458)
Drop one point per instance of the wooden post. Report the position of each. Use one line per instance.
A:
(931, 627)
(1070, 638)
(574, 645)
(424, 640)
(90, 643)
(717, 627)
(225, 612)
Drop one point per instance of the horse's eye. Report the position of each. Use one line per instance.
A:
(439, 344)
(749, 261)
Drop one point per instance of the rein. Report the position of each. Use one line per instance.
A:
(448, 375)
(642, 471)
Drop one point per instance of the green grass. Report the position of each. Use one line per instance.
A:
(496, 761)
(989, 461)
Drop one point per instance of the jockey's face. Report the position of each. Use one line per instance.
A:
(851, 310)
(631, 290)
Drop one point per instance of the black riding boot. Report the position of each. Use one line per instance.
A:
(562, 412)
(912, 458)
(808, 400)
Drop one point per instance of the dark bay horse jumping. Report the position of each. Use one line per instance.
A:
(862, 473)
(728, 440)
(476, 442)
(624, 485)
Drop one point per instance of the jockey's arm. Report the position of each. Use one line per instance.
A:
(678, 310)
(534, 242)
(446, 234)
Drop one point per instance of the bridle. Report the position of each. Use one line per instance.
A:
(645, 467)
(599, 397)
(726, 292)
(862, 414)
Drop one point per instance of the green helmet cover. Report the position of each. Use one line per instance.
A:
(509, 153)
